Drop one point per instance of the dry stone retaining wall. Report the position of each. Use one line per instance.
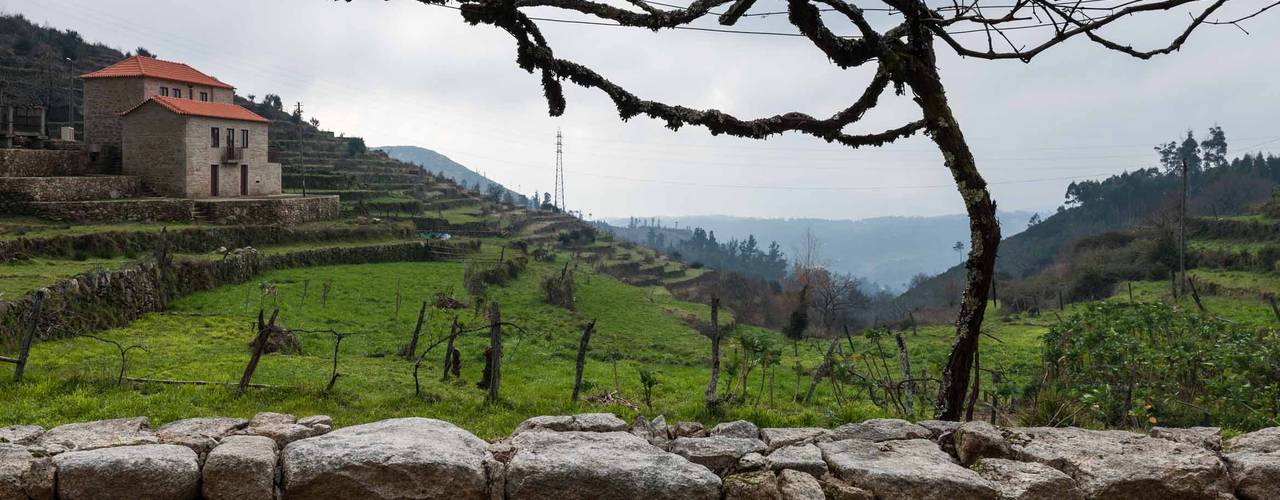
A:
(275, 210)
(98, 187)
(115, 211)
(43, 163)
(598, 455)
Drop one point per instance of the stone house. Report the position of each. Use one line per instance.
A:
(178, 130)
(184, 148)
(115, 89)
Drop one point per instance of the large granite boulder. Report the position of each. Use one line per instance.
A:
(598, 422)
(759, 485)
(796, 485)
(778, 437)
(1120, 464)
(20, 434)
(199, 434)
(556, 423)
(24, 476)
(718, 453)
(1209, 438)
(1254, 461)
(802, 457)
(98, 434)
(736, 429)
(145, 472)
(397, 458)
(284, 428)
(880, 429)
(1027, 480)
(241, 468)
(591, 465)
(656, 432)
(978, 439)
(904, 469)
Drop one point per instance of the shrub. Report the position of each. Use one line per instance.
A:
(1131, 365)
(559, 289)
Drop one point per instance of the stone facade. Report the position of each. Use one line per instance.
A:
(175, 156)
(106, 98)
(43, 163)
(106, 187)
(263, 178)
(286, 210)
(155, 152)
(277, 455)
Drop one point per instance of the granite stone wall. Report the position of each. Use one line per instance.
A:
(600, 456)
(43, 163)
(115, 211)
(103, 187)
(273, 210)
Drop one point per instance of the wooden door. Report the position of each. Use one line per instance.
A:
(213, 181)
(244, 180)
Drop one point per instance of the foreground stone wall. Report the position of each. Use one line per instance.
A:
(275, 210)
(101, 187)
(598, 455)
(43, 163)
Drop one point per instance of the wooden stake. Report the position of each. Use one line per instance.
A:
(495, 359)
(450, 361)
(904, 363)
(259, 344)
(710, 394)
(1274, 309)
(411, 351)
(1195, 294)
(37, 303)
(582, 358)
(1130, 283)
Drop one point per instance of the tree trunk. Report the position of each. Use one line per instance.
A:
(920, 73)
(260, 343)
(451, 362)
(411, 351)
(495, 358)
(24, 349)
(715, 353)
(582, 358)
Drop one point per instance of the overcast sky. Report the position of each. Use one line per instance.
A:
(402, 73)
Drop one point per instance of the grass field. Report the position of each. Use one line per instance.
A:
(205, 337)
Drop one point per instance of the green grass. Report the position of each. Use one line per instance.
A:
(19, 278)
(12, 228)
(205, 336)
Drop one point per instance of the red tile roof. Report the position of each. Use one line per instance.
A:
(155, 68)
(191, 107)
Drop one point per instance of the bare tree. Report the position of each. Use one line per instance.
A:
(905, 57)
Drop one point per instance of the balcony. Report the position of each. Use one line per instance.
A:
(232, 155)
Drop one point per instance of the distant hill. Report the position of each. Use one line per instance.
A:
(437, 163)
(884, 250)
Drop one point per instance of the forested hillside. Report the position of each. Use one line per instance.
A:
(1149, 198)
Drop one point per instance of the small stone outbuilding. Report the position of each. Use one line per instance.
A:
(194, 149)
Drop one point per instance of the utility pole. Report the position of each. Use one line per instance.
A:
(1182, 231)
(71, 97)
(558, 201)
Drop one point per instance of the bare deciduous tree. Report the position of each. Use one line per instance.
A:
(904, 54)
